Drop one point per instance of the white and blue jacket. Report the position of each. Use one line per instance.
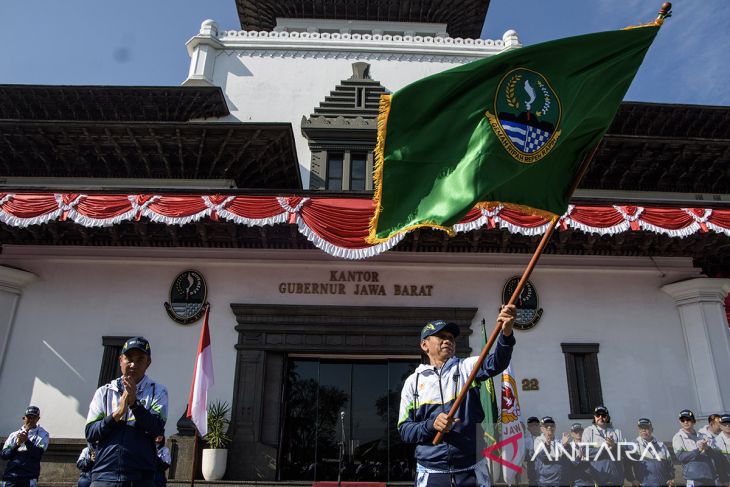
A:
(24, 461)
(652, 469)
(604, 469)
(696, 465)
(722, 445)
(430, 391)
(126, 449)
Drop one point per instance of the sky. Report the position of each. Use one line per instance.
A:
(142, 42)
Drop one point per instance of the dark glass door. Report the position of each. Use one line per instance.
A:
(368, 392)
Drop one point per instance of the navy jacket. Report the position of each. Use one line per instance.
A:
(430, 391)
(126, 449)
(605, 470)
(650, 469)
(24, 461)
(581, 472)
(552, 466)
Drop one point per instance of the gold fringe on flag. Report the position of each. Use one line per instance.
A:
(379, 156)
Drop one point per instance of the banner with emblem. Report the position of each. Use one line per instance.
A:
(510, 129)
(513, 451)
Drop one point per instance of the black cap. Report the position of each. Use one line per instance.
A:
(644, 423)
(547, 420)
(687, 413)
(725, 419)
(32, 411)
(600, 410)
(433, 327)
(533, 419)
(575, 427)
(140, 343)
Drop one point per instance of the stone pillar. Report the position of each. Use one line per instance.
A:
(12, 282)
(701, 306)
(203, 49)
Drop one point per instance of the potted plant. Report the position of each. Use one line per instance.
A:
(216, 455)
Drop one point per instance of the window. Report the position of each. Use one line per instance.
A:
(334, 170)
(316, 392)
(110, 360)
(358, 163)
(346, 170)
(360, 97)
(584, 380)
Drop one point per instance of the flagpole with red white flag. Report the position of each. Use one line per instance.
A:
(202, 381)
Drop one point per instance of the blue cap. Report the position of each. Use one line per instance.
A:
(687, 413)
(547, 420)
(32, 411)
(575, 427)
(600, 410)
(725, 419)
(140, 343)
(433, 327)
(644, 423)
(533, 419)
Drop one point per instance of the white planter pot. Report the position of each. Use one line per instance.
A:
(214, 463)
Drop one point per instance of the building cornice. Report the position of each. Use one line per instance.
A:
(347, 45)
(662, 266)
(313, 42)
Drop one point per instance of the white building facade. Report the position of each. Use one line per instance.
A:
(651, 332)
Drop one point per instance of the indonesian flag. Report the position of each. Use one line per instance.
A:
(202, 381)
(513, 452)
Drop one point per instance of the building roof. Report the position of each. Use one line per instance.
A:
(664, 147)
(111, 103)
(463, 18)
(254, 155)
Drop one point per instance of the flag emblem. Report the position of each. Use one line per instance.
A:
(510, 401)
(526, 115)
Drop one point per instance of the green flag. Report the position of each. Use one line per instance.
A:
(510, 129)
(488, 398)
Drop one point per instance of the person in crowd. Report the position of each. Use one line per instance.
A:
(712, 428)
(722, 444)
(124, 418)
(23, 450)
(693, 452)
(552, 456)
(533, 432)
(653, 465)
(601, 437)
(164, 460)
(581, 471)
(85, 463)
(428, 395)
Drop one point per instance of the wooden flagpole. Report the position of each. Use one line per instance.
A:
(525, 276)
